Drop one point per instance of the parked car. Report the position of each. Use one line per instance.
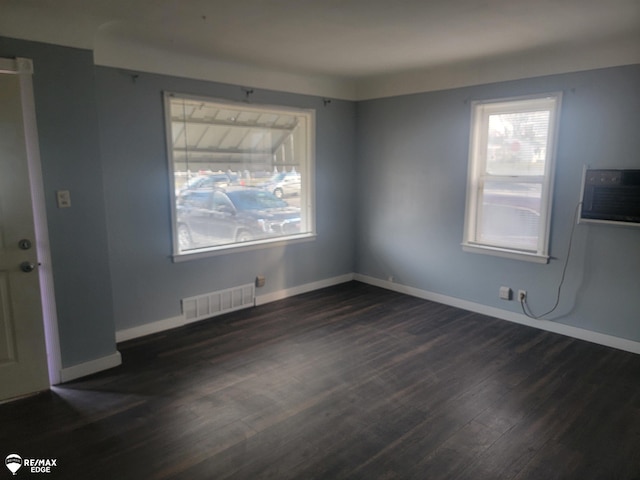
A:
(283, 184)
(209, 217)
(214, 180)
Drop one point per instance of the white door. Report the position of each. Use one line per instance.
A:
(23, 358)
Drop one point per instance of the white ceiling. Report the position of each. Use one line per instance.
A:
(351, 48)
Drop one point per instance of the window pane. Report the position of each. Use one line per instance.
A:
(517, 143)
(510, 215)
(240, 172)
(511, 163)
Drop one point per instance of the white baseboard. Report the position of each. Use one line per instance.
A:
(174, 322)
(550, 326)
(307, 287)
(90, 367)
(149, 328)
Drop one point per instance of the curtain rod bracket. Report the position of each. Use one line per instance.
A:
(247, 92)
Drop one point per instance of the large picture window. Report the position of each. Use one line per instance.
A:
(242, 174)
(511, 164)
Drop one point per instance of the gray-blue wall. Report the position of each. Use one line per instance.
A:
(412, 171)
(390, 190)
(67, 120)
(147, 285)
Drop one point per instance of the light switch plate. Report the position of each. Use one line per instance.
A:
(64, 198)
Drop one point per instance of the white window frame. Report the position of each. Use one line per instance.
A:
(307, 171)
(476, 176)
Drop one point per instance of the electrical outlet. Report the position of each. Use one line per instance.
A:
(522, 295)
(505, 293)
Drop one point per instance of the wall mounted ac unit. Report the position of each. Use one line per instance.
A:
(611, 196)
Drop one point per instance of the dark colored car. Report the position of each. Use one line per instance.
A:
(209, 217)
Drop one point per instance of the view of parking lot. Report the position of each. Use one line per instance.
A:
(239, 172)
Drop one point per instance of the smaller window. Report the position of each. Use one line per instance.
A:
(511, 164)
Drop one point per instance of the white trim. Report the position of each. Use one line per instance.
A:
(150, 328)
(482, 71)
(24, 68)
(110, 50)
(241, 247)
(16, 66)
(505, 253)
(179, 321)
(305, 117)
(117, 53)
(113, 49)
(555, 327)
(90, 367)
(550, 326)
(8, 65)
(307, 287)
(478, 173)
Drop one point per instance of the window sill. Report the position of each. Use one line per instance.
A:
(505, 253)
(242, 247)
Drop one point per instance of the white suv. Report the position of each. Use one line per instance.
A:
(284, 184)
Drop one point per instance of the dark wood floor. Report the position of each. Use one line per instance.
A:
(347, 382)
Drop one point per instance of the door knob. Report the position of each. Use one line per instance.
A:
(27, 267)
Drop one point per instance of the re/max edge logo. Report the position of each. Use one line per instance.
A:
(15, 462)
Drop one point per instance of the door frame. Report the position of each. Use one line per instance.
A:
(23, 67)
